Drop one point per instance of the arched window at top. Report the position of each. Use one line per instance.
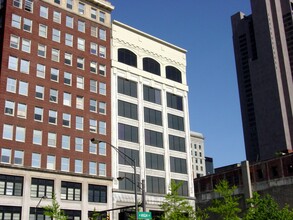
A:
(151, 65)
(173, 74)
(127, 57)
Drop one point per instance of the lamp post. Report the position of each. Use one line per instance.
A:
(43, 197)
(133, 165)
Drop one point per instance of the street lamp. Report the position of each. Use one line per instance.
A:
(133, 165)
(43, 197)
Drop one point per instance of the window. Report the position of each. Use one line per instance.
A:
(79, 102)
(154, 161)
(11, 185)
(69, 21)
(79, 82)
(69, 4)
(93, 13)
(173, 73)
(93, 105)
(153, 138)
(102, 51)
(11, 85)
(52, 117)
(55, 55)
(27, 25)
(102, 169)
(67, 78)
(79, 123)
(10, 212)
(92, 148)
(78, 144)
(15, 22)
(93, 67)
(127, 133)
(174, 101)
(66, 142)
(80, 63)
(126, 109)
(152, 116)
(57, 17)
(102, 34)
(36, 160)
(151, 94)
(52, 139)
(81, 8)
(51, 162)
(94, 48)
(102, 88)
(93, 125)
(7, 132)
(127, 87)
(66, 99)
(41, 70)
(102, 108)
(127, 182)
(13, 63)
(38, 114)
(81, 26)
(183, 189)
(152, 66)
(24, 66)
(43, 30)
(18, 157)
(5, 157)
(39, 92)
(14, 41)
(102, 70)
(102, 148)
(28, 5)
(44, 12)
(66, 118)
(70, 191)
(53, 95)
(42, 187)
(93, 86)
(97, 193)
(65, 164)
(175, 122)
(134, 154)
(17, 3)
(26, 45)
(127, 57)
(92, 168)
(37, 137)
(42, 50)
(94, 31)
(80, 44)
(55, 35)
(155, 184)
(22, 88)
(178, 165)
(78, 166)
(176, 143)
(102, 127)
(68, 59)
(21, 110)
(68, 40)
(102, 16)
(9, 108)
(20, 134)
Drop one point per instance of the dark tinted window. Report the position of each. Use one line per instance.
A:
(127, 87)
(155, 184)
(175, 122)
(153, 138)
(174, 101)
(178, 165)
(176, 143)
(151, 94)
(97, 193)
(154, 161)
(173, 74)
(127, 133)
(133, 154)
(152, 116)
(127, 57)
(127, 109)
(151, 65)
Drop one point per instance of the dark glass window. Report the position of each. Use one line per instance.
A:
(72, 214)
(127, 133)
(10, 212)
(153, 138)
(127, 109)
(155, 184)
(127, 87)
(183, 189)
(154, 161)
(176, 143)
(175, 122)
(173, 74)
(152, 66)
(42, 187)
(174, 101)
(38, 214)
(70, 191)
(127, 183)
(133, 154)
(11, 185)
(178, 165)
(127, 57)
(151, 94)
(152, 116)
(97, 193)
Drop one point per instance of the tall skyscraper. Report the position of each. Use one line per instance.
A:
(263, 44)
(55, 85)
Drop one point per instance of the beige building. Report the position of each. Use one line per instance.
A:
(197, 154)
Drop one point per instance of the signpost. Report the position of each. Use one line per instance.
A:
(145, 215)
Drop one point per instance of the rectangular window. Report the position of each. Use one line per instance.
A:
(20, 134)
(127, 182)
(40, 92)
(79, 102)
(93, 168)
(92, 148)
(102, 16)
(67, 78)
(36, 160)
(42, 187)
(93, 86)
(42, 50)
(16, 20)
(28, 5)
(93, 126)
(27, 25)
(55, 35)
(102, 127)
(51, 162)
(79, 123)
(178, 165)
(79, 82)
(177, 143)
(97, 193)
(68, 59)
(81, 44)
(21, 110)
(66, 142)
(152, 116)
(23, 88)
(69, 4)
(93, 67)
(80, 63)
(93, 105)
(71, 191)
(37, 137)
(154, 161)
(183, 189)
(43, 30)
(102, 34)
(38, 114)
(66, 99)
(69, 21)
(102, 88)
(134, 154)
(69, 40)
(14, 41)
(127, 133)
(81, 8)
(24, 66)
(102, 148)
(65, 164)
(11, 85)
(175, 122)
(5, 157)
(11, 185)
(81, 26)
(55, 56)
(102, 169)
(151, 94)
(128, 110)
(102, 51)
(78, 144)
(94, 13)
(52, 117)
(7, 132)
(13, 63)
(17, 3)
(102, 108)
(52, 139)
(156, 184)
(54, 95)
(102, 70)
(153, 138)
(43, 12)
(9, 108)
(78, 166)
(174, 101)
(18, 157)
(57, 17)
(26, 45)
(66, 118)
(94, 48)
(41, 71)
(94, 31)
(127, 87)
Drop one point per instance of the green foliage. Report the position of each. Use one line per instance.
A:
(227, 207)
(54, 210)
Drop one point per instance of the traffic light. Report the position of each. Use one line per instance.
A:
(108, 216)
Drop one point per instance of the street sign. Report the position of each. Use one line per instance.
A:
(144, 215)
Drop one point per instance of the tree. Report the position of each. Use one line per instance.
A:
(226, 207)
(54, 210)
(265, 208)
(176, 207)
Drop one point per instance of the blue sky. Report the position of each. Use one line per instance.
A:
(203, 28)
